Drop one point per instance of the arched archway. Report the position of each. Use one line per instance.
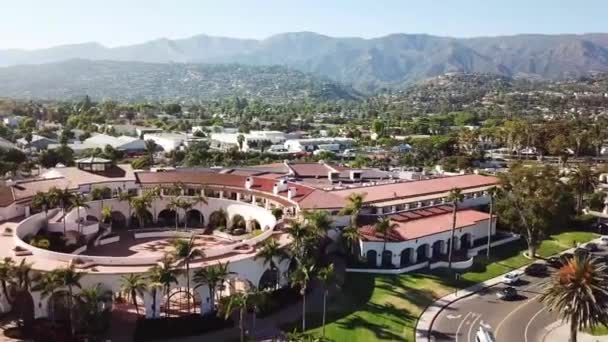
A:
(118, 220)
(438, 248)
(269, 279)
(176, 304)
(421, 253)
(465, 241)
(372, 255)
(217, 219)
(166, 217)
(147, 216)
(238, 222)
(58, 307)
(195, 219)
(255, 225)
(387, 258)
(406, 256)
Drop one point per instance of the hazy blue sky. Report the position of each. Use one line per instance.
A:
(43, 23)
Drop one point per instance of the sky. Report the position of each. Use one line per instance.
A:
(31, 24)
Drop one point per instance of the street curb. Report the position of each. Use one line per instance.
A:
(430, 313)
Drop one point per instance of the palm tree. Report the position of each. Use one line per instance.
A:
(300, 235)
(106, 215)
(301, 278)
(152, 194)
(186, 250)
(269, 253)
(492, 192)
(48, 283)
(154, 287)
(63, 198)
(89, 300)
(133, 285)
(319, 220)
(327, 276)
(256, 298)
(21, 273)
(233, 303)
(42, 201)
(164, 274)
(151, 147)
(125, 196)
(78, 201)
(353, 207)
(174, 204)
(584, 180)
(70, 278)
(212, 276)
(385, 227)
(7, 271)
(140, 205)
(455, 197)
(185, 205)
(351, 235)
(578, 292)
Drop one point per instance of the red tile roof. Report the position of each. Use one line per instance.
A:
(223, 180)
(392, 191)
(417, 227)
(309, 169)
(6, 196)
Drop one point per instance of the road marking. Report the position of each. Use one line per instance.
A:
(460, 325)
(450, 316)
(512, 313)
(471, 328)
(529, 323)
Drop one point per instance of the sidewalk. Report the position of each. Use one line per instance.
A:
(561, 333)
(427, 318)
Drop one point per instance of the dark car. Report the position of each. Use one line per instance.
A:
(591, 247)
(567, 257)
(556, 262)
(536, 270)
(581, 252)
(507, 293)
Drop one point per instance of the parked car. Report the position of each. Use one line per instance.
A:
(566, 257)
(537, 270)
(604, 240)
(581, 252)
(591, 247)
(556, 262)
(507, 293)
(511, 278)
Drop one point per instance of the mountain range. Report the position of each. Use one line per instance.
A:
(368, 65)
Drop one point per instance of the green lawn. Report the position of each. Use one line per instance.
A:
(601, 330)
(386, 308)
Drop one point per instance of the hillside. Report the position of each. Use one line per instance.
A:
(168, 81)
(585, 96)
(395, 60)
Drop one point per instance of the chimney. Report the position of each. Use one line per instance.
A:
(275, 189)
(281, 185)
(249, 183)
(291, 193)
(355, 175)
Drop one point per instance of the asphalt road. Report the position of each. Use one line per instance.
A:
(523, 319)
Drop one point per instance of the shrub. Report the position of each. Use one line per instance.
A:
(238, 231)
(279, 299)
(164, 328)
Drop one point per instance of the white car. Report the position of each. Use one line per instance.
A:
(604, 240)
(511, 278)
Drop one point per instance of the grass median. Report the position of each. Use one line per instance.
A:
(386, 308)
